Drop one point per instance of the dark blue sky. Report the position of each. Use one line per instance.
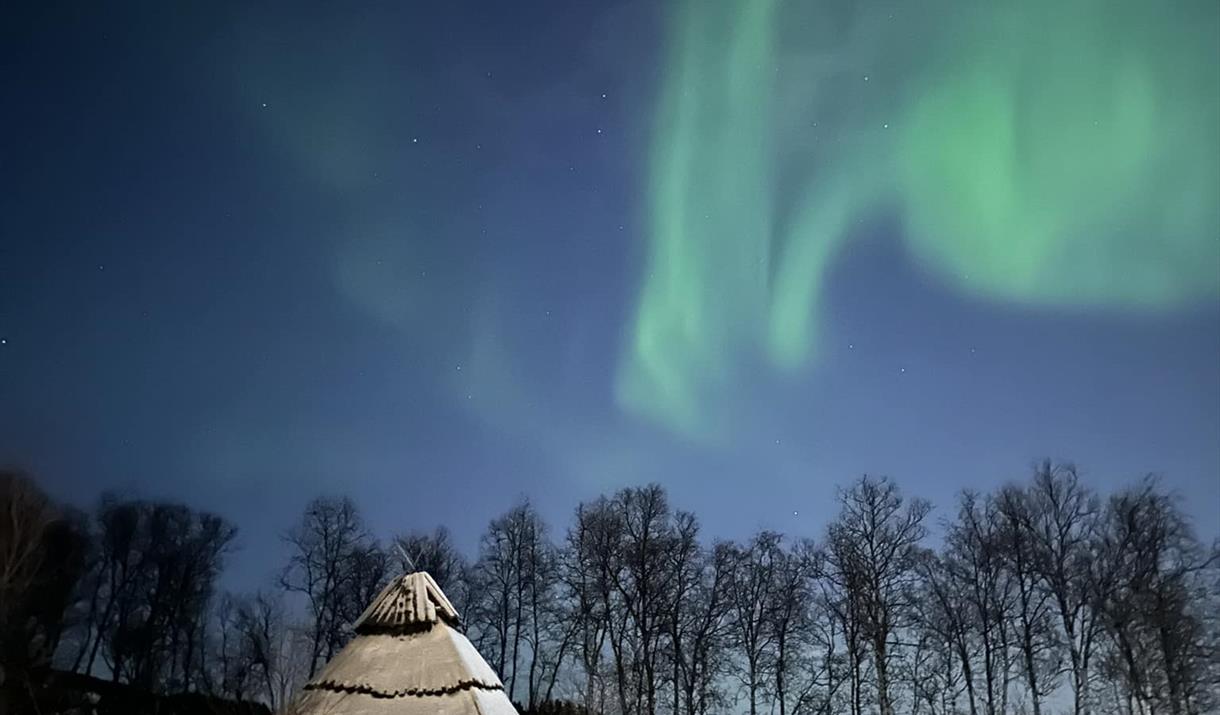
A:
(253, 253)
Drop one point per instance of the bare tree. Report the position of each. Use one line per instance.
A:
(232, 673)
(586, 565)
(516, 609)
(943, 617)
(980, 581)
(643, 582)
(435, 553)
(788, 618)
(830, 625)
(148, 594)
(1032, 589)
(751, 592)
(367, 570)
(260, 620)
(256, 654)
(933, 674)
(549, 636)
(116, 569)
(1064, 531)
(157, 640)
(498, 609)
(1038, 646)
(876, 547)
(844, 597)
(26, 517)
(699, 624)
(1153, 609)
(324, 544)
(41, 560)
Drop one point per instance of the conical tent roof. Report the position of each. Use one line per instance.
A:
(407, 658)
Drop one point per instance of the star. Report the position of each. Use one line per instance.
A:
(414, 140)
(459, 367)
(902, 370)
(264, 105)
(599, 131)
(3, 341)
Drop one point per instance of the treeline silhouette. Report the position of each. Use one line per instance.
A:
(1038, 598)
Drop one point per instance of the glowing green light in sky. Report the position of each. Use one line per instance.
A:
(1044, 153)
(1070, 157)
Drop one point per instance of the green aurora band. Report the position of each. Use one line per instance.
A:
(1044, 153)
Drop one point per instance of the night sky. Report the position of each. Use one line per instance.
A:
(438, 256)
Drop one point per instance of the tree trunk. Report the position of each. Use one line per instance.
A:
(884, 703)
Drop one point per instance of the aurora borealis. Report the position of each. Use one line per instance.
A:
(441, 256)
(1059, 156)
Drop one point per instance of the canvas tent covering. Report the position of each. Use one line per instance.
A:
(407, 658)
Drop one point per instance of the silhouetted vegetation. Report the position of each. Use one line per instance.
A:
(1039, 598)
